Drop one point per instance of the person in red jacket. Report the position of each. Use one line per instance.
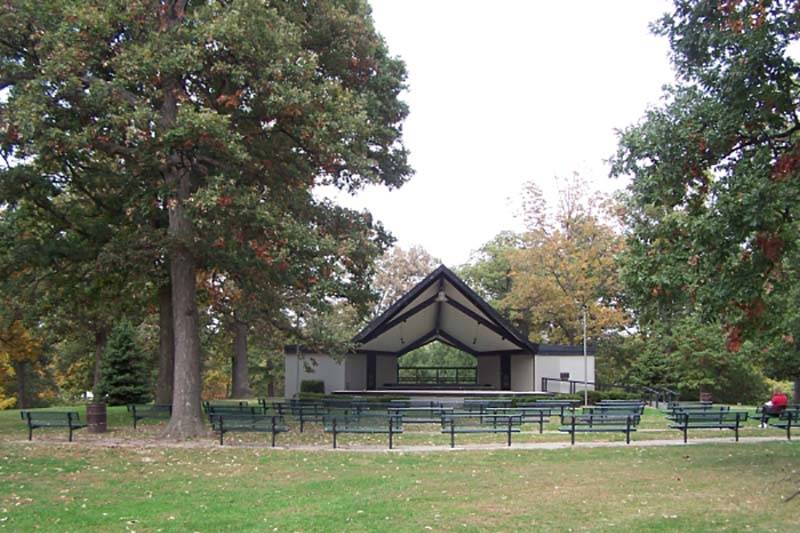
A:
(774, 407)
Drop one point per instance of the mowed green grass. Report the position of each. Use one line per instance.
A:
(732, 487)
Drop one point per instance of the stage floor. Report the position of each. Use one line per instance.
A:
(449, 393)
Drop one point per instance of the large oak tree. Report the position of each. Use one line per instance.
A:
(713, 205)
(191, 104)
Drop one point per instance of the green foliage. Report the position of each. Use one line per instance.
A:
(437, 354)
(713, 206)
(125, 369)
(692, 357)
(488, 271)
(314, 386)
(193, 136)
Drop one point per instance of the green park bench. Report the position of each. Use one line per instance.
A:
(528, 415)
(311, 412)
(157, 411)
(231, 422)
(233, 410)
(602, 422)
(52, 419)
(364, 422)
(616, 409)
(788, 419)
(228, 406)
(765, 417)
(420, 415)
(276, 407)
(722, 419)
(465, 422)
(554, 405)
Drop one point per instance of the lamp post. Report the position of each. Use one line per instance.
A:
(585, 362)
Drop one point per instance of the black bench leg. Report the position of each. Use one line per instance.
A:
(70, 434)
(390, 436)
(134, 422)
(736, 430)
(273, 437)
(572, 436)
(30, 432)
(452, 436)
(301, 423)
(509, 436)
(334, 438)
(685, 436)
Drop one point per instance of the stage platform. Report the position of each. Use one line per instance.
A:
(442, 393)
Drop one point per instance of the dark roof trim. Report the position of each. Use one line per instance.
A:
(564, 349)
(393, 309)
(500, 326)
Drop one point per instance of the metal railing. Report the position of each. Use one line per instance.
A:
(438, 375)
(573, 384)
(655, 395)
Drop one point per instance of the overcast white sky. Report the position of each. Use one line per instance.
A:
(504, 92)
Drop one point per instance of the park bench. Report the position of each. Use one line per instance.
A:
(640, 404)
(231, 422)
(695, 405)
(697, 408)
(620, 409)
(420, 415)
(732, 420)
(573, 423)
(364, 422)
(277, 407)
(528, 415)
(554, 405)
(52, 419)
(311, 412)
(227, 405)
(140, 412)
(765, 417)
(481, 422)
(788, 419)
(233, 410)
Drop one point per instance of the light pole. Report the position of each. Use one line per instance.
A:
(585, 362)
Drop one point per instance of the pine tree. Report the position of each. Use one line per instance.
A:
(124, 371)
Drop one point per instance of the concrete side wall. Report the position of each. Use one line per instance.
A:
(385, 370)
(489, 371)
(548, 366)
(356, 372)
(312, 366)
(522, 373)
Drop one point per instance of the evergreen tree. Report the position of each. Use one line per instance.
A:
(125, 376)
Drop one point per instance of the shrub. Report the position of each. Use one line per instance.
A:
(124, 373)
(312, 385)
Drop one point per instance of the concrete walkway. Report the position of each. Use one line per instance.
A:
(515, 447)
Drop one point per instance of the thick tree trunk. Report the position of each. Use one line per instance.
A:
(100, 338)
(187, 420)
(240, 373)
(21, 371)
(166, 346)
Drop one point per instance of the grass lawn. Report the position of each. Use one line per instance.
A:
(56, 487)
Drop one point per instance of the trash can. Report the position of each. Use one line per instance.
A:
(96, 417)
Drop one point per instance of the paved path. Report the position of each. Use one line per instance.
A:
(150, 443)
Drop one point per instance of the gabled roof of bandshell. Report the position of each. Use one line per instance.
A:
(442, 307)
